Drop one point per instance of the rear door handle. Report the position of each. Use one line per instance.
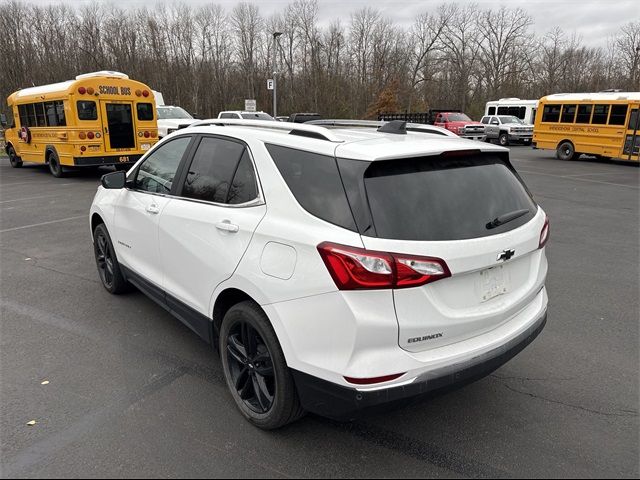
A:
(153, 209)
(227, 226)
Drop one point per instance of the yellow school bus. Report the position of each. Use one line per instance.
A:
(101, 118)
(606, 125)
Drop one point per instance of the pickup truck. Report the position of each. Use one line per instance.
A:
(461, 125)
(507, 128)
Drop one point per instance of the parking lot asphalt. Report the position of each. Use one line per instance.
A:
(132, 392)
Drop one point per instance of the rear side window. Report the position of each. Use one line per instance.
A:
(440, 198)
(145, 112)
(315, 182)
(212, 172)
(87, 110)
(568, 113)
(618, 114)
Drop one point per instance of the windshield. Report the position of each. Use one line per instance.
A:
(459, 117)
(257, 116)
(165, 113)
(510, 119)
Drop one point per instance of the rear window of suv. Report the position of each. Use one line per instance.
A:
(444, 198)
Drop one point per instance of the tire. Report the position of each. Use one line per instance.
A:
(255, 368)
(566, 151)
(54, 165)
(503, 139)
(14, 160)
(108, 268)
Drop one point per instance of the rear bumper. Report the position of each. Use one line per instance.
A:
(106, 160)
(334, 401)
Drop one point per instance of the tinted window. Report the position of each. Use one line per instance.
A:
(54, 111)
(228, 115)
(485, 120)
(440, 198)
(157, 172)
(87, 110)
(634, 120)
(618, 114)
(584, 114)
(145, 112)
(568, 113)
(315, 183)
(551, 113)
(600, 114)
(243, 187)
(22, 112)
(492, 110)
(212, 169)
(40, 120)
(503, 110)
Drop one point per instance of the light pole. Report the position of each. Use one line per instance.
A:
(275, 71)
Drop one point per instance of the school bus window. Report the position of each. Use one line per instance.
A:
(618, 114)
(634, 121)
(41, 121)
(145, 111)
(62, 122)
(22, 113)
(551, 113)
(568, 113)
(584, 113)
(87, 110)
(600, 114)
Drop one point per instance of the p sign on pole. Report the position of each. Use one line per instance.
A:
(249, 105)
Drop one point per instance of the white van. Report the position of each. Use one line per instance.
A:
(523, 109)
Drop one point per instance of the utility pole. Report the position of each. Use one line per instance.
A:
(275, 72)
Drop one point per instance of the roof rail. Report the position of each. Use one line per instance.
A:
(410, 127)
(303, 129)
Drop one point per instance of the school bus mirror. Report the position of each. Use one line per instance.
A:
(3, 119)
(114, 180)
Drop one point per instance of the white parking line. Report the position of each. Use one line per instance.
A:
(32, 198)
(43, 223)
(567, 177)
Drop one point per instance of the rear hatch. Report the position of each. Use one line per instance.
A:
(443, 206)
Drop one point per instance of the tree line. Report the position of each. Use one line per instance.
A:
(208, 58)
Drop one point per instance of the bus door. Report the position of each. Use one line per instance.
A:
(119, 130)
(632, 135)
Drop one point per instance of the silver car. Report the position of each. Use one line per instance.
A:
(507, 129)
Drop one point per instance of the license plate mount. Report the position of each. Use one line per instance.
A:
(493, 282)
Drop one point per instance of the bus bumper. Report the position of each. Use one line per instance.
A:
(107, 160)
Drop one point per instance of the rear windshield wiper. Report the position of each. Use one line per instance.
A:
(506, 218)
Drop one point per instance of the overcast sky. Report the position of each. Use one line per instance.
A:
(593, 20)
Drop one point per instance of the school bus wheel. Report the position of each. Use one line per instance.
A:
(54, 165)
(565, 151)
(14, 160)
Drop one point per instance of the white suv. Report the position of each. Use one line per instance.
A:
(335, 268)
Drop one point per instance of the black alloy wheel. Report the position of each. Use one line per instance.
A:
(251, 367)
(104, 259)
(108, 268)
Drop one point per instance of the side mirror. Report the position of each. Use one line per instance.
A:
(114, 180)
(3, 119)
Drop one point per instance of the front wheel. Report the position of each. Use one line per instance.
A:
(504, 139)
(108, 268)
(255, 368)
(14, 160)
(566, 151)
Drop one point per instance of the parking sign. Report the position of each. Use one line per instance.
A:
(270, 84)
(250, 105)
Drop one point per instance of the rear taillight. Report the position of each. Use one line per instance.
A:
(544, 234)
(358, 269)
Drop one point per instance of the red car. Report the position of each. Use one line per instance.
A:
(461, 125)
